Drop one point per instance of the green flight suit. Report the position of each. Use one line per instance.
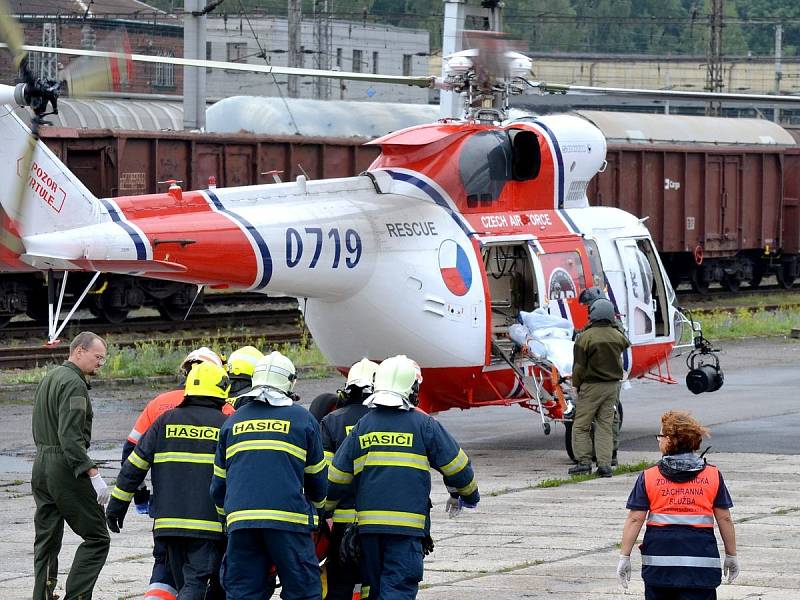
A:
(62, 431)
(596, 374)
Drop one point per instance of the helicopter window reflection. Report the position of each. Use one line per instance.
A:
(596, 265)
(485, 166)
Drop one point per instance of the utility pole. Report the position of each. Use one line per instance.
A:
(714, 70)
(322, 35)
(294, 23)
(194, 78)
(778, 67)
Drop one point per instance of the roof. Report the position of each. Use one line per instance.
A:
(681, 129)
(78, 7)
(137, 115)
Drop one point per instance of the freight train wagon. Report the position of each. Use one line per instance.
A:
(720, 196)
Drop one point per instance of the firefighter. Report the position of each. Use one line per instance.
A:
(65, 482)
(680, 497)
(587, 298)
(180, 446)
(596, 374)
(392, 448)
(270, 479)
(335, 427)
(162, 585)
(241, 364)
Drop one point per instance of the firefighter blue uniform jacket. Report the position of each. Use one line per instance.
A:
(179, 449)
(335, 427)
(386, 459)
(269, 471)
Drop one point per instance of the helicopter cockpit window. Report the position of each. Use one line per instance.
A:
(485, 166)
(527, 154)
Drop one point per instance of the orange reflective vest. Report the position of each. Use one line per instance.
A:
(687, 503)
(679, 548)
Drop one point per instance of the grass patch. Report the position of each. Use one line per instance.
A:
(618, 470)
(153, 358)
(744, 323)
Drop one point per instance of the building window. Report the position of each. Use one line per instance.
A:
(237, 51)
(165, 73)
(406, 64)
(208, 55)
(339, 58)
(374, 62)
(302, 58)
(356, 61)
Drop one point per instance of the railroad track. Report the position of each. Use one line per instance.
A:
(715, 294)
(26, 357)
(149, 325)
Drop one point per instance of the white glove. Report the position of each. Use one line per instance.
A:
(101, 489)
(730, 568)
(453, 507)
(624, 570)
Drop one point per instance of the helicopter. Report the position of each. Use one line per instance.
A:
(456, 229)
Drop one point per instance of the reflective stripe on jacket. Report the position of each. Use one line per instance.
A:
(335, 427)
(679, 548)
(178, 448)
(386, 460)
(269, 470)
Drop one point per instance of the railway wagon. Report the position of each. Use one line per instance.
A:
(122, 163)
(720, 196)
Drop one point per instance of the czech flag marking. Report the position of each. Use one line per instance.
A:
(454, 265)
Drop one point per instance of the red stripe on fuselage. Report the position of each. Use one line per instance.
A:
(219, 251)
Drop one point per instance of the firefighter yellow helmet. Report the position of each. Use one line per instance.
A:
(396, 383)
(275, 371)
(202, 354)
(242, 362)
(362, 374)
(207, 379)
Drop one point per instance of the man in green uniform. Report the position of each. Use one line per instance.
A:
(65, 482)
(596, 374)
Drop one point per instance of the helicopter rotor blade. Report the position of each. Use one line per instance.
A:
(558, 88)
(424, 82)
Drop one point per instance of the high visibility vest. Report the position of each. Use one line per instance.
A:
(679, 548)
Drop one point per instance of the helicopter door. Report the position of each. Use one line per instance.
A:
(640, 319)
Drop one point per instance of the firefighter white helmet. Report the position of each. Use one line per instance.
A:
(273, 379)
(202, 354)
(362, 374)
(396, 383)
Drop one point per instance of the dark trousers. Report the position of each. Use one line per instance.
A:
(669, 593)
(194, 564)
(60, 498)
(391, 565)
(162, 584)
(341, 578)
(251, 554)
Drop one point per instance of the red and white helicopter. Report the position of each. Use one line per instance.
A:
(456, 227)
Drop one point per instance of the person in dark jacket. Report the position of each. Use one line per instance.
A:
(596, 374)
(162, 585)
(65, 482)
(270, 480)
(680, 497)
(335, 426)
(587, 298)
(391, 449)
(180, 446)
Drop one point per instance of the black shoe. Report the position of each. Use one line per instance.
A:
(604, 471)
(580, 469)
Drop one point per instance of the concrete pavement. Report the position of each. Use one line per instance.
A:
(522, 541)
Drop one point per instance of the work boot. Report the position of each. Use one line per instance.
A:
(580, 469)
(604, 471)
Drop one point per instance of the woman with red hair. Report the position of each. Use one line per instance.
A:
(680, 497)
